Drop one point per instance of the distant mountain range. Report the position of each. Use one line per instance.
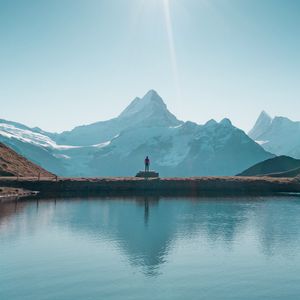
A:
(278, 135)
(117, 147)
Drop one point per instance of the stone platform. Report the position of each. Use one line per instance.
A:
(149, 174)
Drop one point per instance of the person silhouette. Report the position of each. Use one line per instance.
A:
(147, 164)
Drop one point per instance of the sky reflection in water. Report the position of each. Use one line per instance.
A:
(150, 248)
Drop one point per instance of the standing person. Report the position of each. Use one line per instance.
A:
(147, 164)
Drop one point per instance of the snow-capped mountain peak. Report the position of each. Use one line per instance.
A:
(278, 135)
(149, 109)
(263, 122)
(149, 103)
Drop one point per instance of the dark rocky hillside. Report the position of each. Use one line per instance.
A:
(280, 166)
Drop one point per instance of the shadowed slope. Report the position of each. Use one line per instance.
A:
(278, 166)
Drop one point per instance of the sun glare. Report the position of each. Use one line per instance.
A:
(150, 8)
(171, 44)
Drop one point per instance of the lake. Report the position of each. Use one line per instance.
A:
(150, 248)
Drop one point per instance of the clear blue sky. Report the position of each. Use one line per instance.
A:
(69, 62)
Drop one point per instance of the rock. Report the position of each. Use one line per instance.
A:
(150, 174)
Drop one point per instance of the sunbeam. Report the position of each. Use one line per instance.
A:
(171, 45)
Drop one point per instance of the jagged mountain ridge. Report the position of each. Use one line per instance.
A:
(118, 146)
(263, 122)
(147, 112)
(278, 135)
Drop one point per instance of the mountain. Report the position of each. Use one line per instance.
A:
(13, 164)
(278, 135)
(117, 147)
(262, 124)
(150, 111)
(280, 166)
(37, 147)
(185, 150)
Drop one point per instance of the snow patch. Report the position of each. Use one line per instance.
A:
(174, 127)
(261, 142)
(102, 145)
(62, 156)
(28, 136)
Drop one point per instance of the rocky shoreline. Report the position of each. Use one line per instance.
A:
(159, 186)
(12, 193)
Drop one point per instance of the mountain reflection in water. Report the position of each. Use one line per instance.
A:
(145, 229)
(150, 248)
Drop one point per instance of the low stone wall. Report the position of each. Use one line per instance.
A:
(163, 186)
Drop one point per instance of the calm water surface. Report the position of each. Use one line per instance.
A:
(151, 249)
